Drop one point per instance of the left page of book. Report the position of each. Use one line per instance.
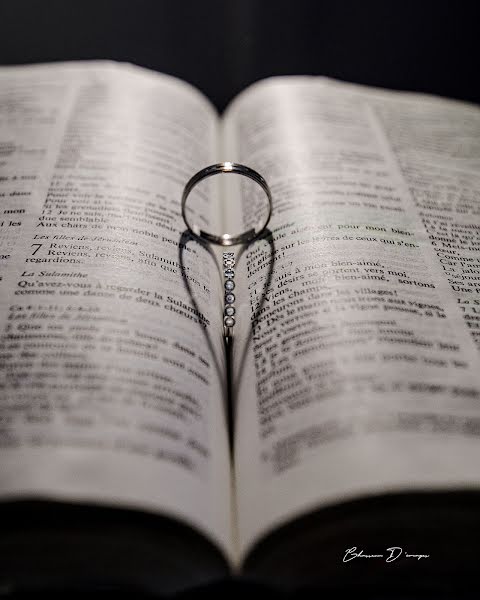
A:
(109, 391)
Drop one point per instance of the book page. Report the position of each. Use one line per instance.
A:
(109, 391)
(362, 374)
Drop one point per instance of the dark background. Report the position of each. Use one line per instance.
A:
(222, 46)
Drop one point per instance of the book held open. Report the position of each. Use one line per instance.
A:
(356, 357)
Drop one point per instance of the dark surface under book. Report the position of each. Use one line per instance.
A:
(59, 548)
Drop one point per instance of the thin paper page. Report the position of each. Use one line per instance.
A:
(362, 375)
(110, 393)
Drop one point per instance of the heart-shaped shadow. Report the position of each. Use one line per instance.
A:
(229, 379)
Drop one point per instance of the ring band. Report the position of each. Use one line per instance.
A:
(227, 239)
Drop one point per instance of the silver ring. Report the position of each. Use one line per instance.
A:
(226, 239)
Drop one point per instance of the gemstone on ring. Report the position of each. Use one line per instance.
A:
(229, 272)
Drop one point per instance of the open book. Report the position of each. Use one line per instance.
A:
(355, 365)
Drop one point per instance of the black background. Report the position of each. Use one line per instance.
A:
(223, 46)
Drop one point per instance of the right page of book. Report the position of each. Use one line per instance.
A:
(361, 371)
